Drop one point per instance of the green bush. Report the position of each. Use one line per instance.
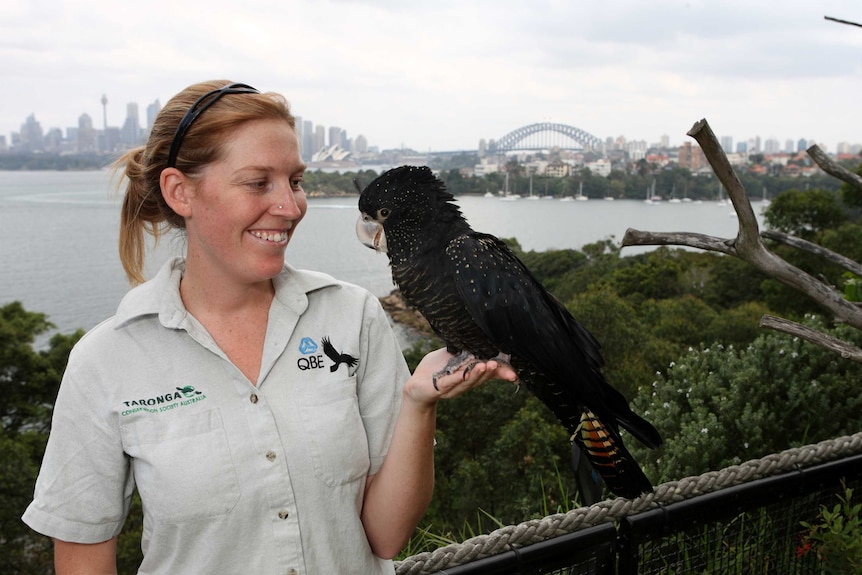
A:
(837, 536)
(719, 405)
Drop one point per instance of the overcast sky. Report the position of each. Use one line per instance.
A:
(440, 75)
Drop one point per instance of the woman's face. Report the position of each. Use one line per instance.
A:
(246, 206)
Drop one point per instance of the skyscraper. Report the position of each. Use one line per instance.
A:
(32, 135)
(307, 140)
(86, 134)
(360, 144)
(319, 139)
(153, 111)
(130, 134)
(335, 136)
(105, 145)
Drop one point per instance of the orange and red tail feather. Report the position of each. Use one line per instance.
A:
(605, 450)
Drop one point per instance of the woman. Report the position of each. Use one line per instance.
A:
(265, 414)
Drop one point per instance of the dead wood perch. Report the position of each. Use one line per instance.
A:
(830, 18)
(845, 350)
(819, 251)
(833, 169)
(748, 245)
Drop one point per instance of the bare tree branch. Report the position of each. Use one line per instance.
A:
(841, 21)
(846, 350)
(820, 251)
(635, 237)
(748, 237)
(832, 168)
(748, 245)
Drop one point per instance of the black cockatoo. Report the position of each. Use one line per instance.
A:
(485, 304)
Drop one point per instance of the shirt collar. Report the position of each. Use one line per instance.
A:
(161, 295)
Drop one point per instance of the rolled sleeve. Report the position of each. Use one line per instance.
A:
(84, 488)
(381, 381)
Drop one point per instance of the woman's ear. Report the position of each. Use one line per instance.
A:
(177, 191)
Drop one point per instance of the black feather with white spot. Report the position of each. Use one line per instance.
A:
(479, 297)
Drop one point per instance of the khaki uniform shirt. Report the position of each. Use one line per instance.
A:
(234, 477)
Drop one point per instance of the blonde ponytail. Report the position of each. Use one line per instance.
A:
(141, 211)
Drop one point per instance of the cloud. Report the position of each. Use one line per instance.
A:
(444, 74)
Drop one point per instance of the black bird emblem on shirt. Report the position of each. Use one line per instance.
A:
(485, 304)
(337, 357)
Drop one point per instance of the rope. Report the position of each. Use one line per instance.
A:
(537, 530)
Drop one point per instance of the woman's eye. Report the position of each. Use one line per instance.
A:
(296, 184)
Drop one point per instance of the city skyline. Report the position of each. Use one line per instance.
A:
(314, 136)
(443, 75)
(87, 135)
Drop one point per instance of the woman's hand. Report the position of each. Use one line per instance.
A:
(420, 388)
(397, 496)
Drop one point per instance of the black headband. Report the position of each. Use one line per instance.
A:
(197, 109)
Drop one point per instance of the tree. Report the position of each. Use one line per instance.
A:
(732, 282)
(806, 213)
(724, 405)
(24, 551)
(553, 267)
(656, 276)
(749, 246)
(29, 381)
(29, 378)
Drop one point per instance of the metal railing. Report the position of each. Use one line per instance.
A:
(753, 527)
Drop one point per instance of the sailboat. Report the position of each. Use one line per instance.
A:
(673, 199)
(565, 198)
(721, 200)
(531, 196)
(651, 197)
(647, 199)
(506, 196)
(581, 197)
(685, 197)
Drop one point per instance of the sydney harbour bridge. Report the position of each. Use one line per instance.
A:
(544, 136)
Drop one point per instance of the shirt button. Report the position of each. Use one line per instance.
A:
(270, 455)
(253, 398)
(283, 514)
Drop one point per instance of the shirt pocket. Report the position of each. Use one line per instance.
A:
(182, 465)
(334, 433)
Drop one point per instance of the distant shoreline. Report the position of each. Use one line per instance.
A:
(52, 162)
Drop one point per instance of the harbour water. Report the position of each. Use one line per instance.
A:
(58, 238)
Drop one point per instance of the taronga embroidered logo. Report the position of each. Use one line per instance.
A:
(337, 356)
(183, 396)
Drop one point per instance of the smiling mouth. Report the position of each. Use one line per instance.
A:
(276, 237)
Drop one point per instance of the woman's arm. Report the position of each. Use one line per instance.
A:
(398, 494)
(85, 558)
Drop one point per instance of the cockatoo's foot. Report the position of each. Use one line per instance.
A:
(467, 361)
